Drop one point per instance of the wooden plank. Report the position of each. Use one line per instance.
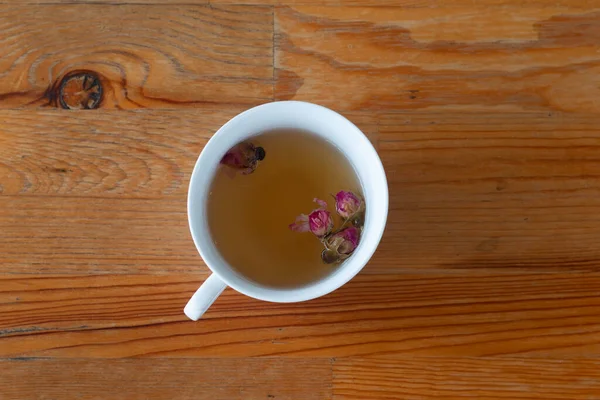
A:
(416, 314)
(139, 154)
(465, 378)
(572, 4)
(513, 58)
(157, 57)
(209, 379)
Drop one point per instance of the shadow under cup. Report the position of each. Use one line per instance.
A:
(329, 126)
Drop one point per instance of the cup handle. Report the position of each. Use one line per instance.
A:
(204, 297)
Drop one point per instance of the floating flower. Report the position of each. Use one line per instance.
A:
(319, 221)
(344, 241)
(243, 156)
(340, 245)
(347, 204)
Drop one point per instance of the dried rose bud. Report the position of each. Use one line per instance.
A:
(320, 222)
(347, 204)
(344, 241)
(243, 156)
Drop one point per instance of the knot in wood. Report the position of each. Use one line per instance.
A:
(80, 91)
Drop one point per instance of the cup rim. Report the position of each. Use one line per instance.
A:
(327, 284)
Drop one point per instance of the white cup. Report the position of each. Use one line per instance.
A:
(323, 122)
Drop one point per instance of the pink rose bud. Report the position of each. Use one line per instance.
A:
(345, 241)
(243, 156)
(320, 222)
(347, 204)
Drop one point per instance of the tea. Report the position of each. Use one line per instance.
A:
(250, 210)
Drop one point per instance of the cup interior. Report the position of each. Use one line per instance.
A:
(317, 120)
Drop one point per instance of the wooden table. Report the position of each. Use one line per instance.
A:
(486, 115)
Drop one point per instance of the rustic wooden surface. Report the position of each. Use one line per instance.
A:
(486, 116)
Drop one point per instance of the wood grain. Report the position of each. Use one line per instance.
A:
(410, 4)
(443, 58)
(209, 379)
(465, 378)
(415, 314)
(158, 57)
